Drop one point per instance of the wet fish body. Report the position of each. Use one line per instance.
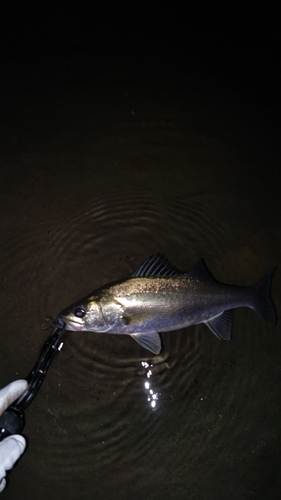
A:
(160, 298)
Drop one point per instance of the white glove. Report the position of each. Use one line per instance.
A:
(10, 393)
(12, 447)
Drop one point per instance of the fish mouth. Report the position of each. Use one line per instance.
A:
(73, 326)
(70, 324)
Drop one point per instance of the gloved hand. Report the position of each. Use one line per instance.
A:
(12, 447)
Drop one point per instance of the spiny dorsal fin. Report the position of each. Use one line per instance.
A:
(157, 265)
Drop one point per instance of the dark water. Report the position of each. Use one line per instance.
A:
(94, 179)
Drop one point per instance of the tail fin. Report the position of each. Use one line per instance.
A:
(263, 304)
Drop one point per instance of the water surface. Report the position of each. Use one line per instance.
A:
(91, 186)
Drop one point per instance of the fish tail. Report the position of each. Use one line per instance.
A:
(263, 304)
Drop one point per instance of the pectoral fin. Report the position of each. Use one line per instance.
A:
(150, 341)
(221, 325)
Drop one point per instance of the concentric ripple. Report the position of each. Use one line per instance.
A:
(113, 395)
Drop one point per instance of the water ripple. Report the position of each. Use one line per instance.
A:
(105, 378)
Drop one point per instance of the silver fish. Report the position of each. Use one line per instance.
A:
(160, 298)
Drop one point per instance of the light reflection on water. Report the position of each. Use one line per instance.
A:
(152, 395)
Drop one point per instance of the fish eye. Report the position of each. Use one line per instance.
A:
(79, 312)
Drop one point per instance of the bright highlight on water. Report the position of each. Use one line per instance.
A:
(160, 298)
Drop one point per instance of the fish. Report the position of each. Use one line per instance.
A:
(159, 298)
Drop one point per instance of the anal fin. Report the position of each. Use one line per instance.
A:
(220, 326)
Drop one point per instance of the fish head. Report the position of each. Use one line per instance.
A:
(84, 316)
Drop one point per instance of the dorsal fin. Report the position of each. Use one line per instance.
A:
(156, 265)
(200, 272)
